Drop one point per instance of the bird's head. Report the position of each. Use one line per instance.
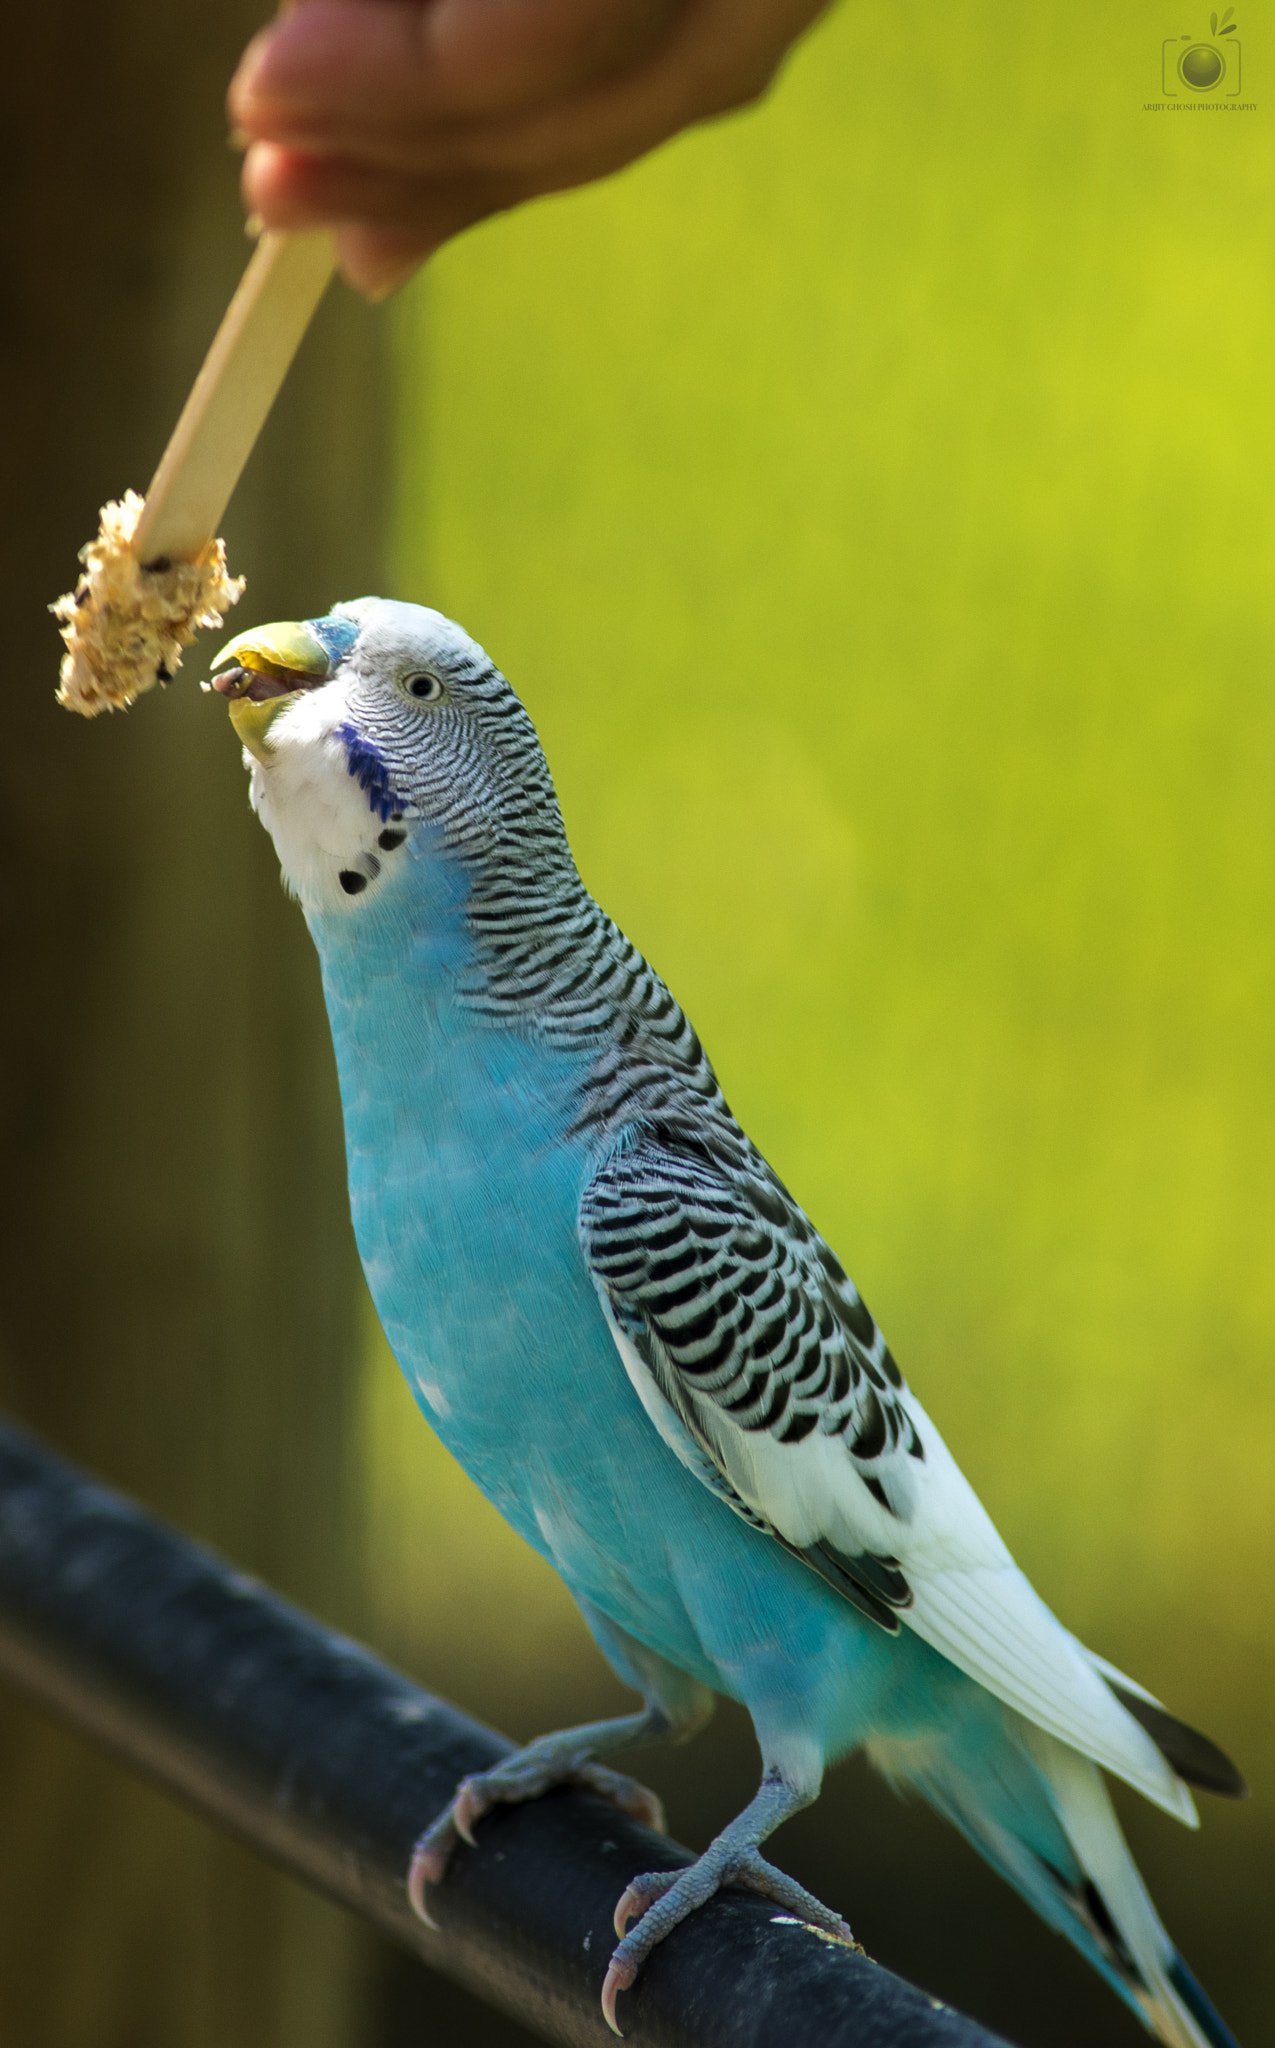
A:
(362, 728)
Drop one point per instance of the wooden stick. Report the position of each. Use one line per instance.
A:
(233, 393)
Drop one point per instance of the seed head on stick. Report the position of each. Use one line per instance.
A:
(156, 572)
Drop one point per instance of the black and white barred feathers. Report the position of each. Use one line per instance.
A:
(708, 1268)
(750, 1349)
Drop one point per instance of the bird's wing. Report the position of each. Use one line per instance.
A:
(763, 1371)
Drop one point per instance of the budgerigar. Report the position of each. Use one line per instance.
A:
(624, 1327)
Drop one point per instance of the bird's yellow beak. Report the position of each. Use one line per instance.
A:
(287, 648)
(266, 669)
(252, 722)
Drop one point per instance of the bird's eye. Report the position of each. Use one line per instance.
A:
(425, 688)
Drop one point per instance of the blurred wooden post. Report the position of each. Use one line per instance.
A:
(178, 1290)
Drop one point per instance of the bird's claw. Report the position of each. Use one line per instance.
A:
(512, 1784)
(434, 1850)
(676, 1894)
(420, 1873)
(468, 1807)
(619, 1977)
(643, 1892)
(633, 1798)
(430, 1859)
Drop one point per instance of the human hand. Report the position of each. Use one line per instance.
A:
(400, 122)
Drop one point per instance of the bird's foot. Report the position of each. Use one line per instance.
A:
(525, 1775)
(663, 1898)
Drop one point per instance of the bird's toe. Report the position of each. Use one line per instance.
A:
(519, 1778)
(643, 1892)
(434, 1852)
(752, 1871)
(628, 1794)
(662, 1899)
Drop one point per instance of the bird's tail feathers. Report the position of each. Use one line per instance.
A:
(1041, 1815)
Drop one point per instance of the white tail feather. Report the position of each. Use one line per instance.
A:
(1085, 1810)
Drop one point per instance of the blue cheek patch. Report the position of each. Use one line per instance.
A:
(370, 772)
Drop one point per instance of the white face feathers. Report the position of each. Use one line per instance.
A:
(324, 829)
(322, 782)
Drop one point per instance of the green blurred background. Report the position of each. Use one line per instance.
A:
(871, 499)
(869, 495)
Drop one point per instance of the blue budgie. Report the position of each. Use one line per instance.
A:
(624, 1327)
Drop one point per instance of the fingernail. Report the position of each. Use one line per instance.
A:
(254, 227)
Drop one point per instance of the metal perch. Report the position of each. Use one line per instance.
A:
(329, 1763)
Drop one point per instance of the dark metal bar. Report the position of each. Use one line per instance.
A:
(331, 1764)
